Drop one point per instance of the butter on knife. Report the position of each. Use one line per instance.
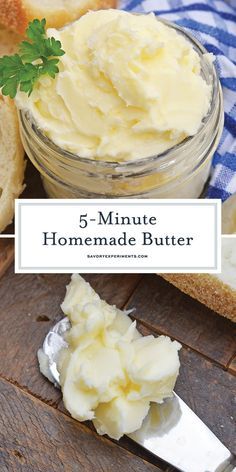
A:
(170, 430)
(109, 372)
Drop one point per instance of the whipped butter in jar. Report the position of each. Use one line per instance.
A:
(135, 111)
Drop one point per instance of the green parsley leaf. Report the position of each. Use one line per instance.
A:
(10, 87)
(51, 68)
(36, 30)
(53, 47)
(38, 56)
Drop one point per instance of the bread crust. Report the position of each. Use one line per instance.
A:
(15, 14)
(207, 289)
(12, 164)
(8, 41)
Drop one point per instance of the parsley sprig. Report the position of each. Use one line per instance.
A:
(38, 56)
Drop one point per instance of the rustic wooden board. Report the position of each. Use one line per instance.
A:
(35, 437)
(211, 393)
(232, 366)
(6, 254)
(167, 310)
(27, 311)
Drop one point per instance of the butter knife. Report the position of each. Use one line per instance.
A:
(171, 431)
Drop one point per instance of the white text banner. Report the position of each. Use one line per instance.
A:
(117, 236)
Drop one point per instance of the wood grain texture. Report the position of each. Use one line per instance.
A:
(36, 438)
(28, 310)
(232, 366)
(211, 393)
(6, 254)
(32, 305)
(167, 310)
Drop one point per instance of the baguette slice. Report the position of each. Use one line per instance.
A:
(12, 164)
(217, 291)
(229, 215)
(15, 14)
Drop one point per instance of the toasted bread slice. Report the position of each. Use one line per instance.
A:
(11, 150)
(15, 14)
(217, 291)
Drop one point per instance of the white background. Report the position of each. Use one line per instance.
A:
(181, 218)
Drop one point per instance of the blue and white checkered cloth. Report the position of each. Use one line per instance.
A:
(213, 22)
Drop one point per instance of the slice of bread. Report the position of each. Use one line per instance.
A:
(229, 215)
(15, 14)
(11, 150)
(217, 291)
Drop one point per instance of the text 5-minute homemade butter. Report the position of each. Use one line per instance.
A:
(110, 373)
(134, 110)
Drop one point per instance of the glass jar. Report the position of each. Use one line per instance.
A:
(179, 172)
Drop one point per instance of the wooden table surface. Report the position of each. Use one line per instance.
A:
(36, 432)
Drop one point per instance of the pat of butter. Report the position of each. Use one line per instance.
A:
(110, 373)
(129, 87)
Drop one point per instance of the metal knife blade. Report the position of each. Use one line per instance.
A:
(182, 439)
(171, 431)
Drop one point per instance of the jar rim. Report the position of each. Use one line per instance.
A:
(130, 164)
